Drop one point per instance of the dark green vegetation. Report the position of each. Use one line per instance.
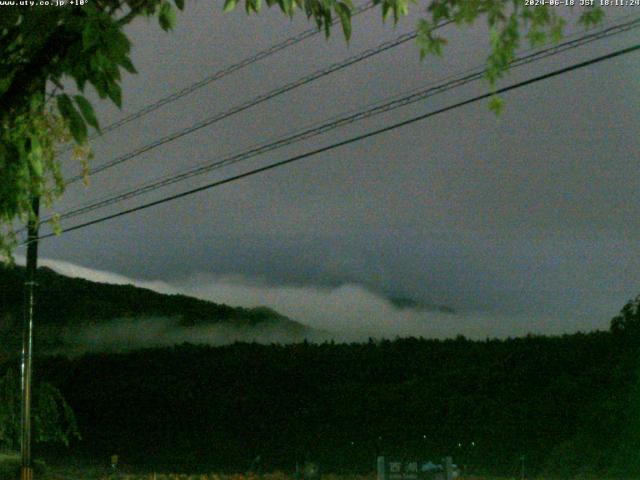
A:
(53, 420)
(68, 304)
(10, 466)
(570, 404)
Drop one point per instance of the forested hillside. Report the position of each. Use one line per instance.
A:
(66, 305)
(569, 404)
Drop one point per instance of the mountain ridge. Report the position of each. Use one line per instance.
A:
(74, 303)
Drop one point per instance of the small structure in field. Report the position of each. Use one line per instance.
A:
(395, 469)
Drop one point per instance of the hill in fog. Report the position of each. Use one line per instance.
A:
(78, 314)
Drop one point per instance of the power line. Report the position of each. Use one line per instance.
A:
(351, 140)
(371, 110)
(289, 42)
(257, 100)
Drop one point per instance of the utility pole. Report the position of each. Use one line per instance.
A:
(26, 471)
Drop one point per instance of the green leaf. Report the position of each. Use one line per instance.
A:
(127, 65)
(557, 30)
(167, 16)
(87, 111)
(286, 6)
(5, 83)
(386, 8)
(101, 86)
(36, 101)
(344, 13)
(496, 105)
(536, 37)
(327, 20)
(36, 156)
(77, 125)
(229, 5)
(494, 38)
(115, 93)
(428, 43)
(252, 5)
(592, 17)
(403, 8)
(179, 4)
(90, 35)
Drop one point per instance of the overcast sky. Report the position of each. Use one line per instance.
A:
(531, 220)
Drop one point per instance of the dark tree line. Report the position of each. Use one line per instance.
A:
(569, 404)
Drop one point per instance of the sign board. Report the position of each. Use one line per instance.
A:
(402, 470)
(411, 469)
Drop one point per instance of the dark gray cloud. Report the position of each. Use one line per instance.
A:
(534, 213)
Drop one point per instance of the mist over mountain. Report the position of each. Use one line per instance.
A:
(75, 315)
(80, 309)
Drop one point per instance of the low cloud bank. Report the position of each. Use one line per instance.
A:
(346, 313)
(354, 313)
(127, 334)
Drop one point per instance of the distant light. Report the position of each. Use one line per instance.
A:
(424, 436)
(473, 444)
